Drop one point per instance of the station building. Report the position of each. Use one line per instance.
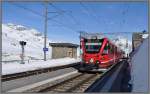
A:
(61, 50)
(137, 39)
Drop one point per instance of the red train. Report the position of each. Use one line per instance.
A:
(98, 53)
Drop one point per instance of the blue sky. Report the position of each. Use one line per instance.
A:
(89, 16)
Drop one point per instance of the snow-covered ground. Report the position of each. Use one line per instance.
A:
(139, 68)
(16, 67)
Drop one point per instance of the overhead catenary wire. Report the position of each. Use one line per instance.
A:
(27, 9)
(89, 12)
(124, 12)
(111, 33)
(51, 18)
(41, 15)
(69, 13)
(92, 10)
(35, 12)
(65, 26)
(60, 12)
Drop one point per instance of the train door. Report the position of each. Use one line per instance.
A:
(111, 50)
(112, 53)
(106, 54)
(82, 51)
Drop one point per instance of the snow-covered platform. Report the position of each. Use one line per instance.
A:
(139, 68)
(16, 67)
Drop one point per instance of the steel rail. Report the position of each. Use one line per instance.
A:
(72, 84)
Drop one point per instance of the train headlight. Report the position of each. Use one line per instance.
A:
(91, 60)
(97, 62)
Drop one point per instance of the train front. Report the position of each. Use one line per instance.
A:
(90, 52)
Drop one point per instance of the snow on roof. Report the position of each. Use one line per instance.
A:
(144, 36)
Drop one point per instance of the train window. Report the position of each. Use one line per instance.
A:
(93, 45)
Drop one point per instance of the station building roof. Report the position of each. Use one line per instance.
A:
(63, 45)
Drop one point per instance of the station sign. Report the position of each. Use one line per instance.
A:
(45, 49)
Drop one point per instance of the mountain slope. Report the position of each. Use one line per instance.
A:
(11, 49)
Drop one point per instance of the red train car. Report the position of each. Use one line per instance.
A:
(99, 53)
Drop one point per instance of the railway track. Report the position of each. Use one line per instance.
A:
(78, 83)
(33, 72)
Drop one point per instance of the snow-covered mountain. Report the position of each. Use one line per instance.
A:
(123, 43)
(11, 49)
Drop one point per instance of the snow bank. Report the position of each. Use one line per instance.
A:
(10, 68)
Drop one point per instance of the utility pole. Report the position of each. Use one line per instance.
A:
(45, 28)
(45, 31)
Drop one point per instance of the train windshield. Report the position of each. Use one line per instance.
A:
(93, 45)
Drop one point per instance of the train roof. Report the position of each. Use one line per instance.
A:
(91, 35)
(97, 36)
